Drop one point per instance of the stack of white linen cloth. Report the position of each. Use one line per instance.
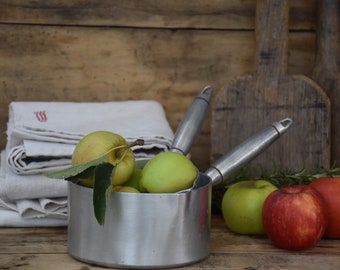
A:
(41, 137)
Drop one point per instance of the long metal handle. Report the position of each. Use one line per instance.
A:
(191, 124)
(247, 150)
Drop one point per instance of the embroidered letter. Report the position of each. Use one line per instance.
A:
(41, 116)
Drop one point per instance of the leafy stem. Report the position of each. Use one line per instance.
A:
(74, 171)
(103, 173)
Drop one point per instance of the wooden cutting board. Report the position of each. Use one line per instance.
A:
(270, 94)
(326, 72)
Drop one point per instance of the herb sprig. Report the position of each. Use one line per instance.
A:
(282, 178)
(279, 178)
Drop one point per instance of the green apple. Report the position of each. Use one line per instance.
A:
(125, 189)
(96, 144)
(134, 180)
(168, 172)
(242, 205)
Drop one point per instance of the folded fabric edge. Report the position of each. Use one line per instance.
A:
(9, 218)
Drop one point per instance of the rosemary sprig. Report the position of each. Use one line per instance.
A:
(279, 178)
(282, 178)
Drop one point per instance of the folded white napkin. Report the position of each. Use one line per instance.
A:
(42, 208)
(18, 187)
(31, 200)
(38, 208)
(35, 157)
(41, 137)
(10, 218)
(36, 127)
(68, 122)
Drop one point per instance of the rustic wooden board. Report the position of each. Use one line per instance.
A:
(231, 260)
(202, 14)
(326, 72)
(99, 64)
(46, 248)
(28, 240)
(271, 94)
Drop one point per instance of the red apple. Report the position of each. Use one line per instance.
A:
(294, 217)
(329, 188)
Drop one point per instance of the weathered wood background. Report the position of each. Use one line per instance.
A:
(86, 50)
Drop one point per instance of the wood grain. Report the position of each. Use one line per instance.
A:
(46, 248)
(326, 71)
(271, 94)
(201, 14)
(42, 63)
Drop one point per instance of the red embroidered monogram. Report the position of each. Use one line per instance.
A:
(41, 116)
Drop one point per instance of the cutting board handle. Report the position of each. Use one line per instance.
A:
(271, 29)
(327, 34)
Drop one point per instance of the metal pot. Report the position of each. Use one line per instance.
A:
(119, 243)
(141, 230)
(148, 231)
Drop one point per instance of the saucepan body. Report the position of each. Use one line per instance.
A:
(141, 230)
(146, 230)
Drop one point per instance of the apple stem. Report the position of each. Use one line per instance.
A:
(125, 147)
(136, 142)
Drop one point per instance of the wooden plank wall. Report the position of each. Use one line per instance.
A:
(87, 50)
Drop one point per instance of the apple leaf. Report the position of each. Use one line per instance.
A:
(77, 169)
(83, 169)
(102, 189)
(85, 173)
(86, 169)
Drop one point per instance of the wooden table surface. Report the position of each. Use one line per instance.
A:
(46, 248)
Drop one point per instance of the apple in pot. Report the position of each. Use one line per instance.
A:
(134, 180)
(168, 172)
(295, 217)
(242, 206)
(96, 144)
(104, 161)
(329, 188)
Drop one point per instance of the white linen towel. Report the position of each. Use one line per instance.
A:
(18, 187)
(21, 205)
(38, 208)
(9, 218)
(58, 123)
(34, 157)
(41, 137)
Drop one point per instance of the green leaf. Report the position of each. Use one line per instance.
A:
(78, 169)
(87, 173)
(102, 189)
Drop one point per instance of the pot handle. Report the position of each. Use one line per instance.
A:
(191, 124)
(247, 150)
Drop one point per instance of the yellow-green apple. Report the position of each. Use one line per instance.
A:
(168, 172)
(125, 189)
(294, 217)
(242, 206)
(329, 188)
(97, 143)
(134, 180)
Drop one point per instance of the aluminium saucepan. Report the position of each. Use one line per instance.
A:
(164, 230)
(120, 242)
